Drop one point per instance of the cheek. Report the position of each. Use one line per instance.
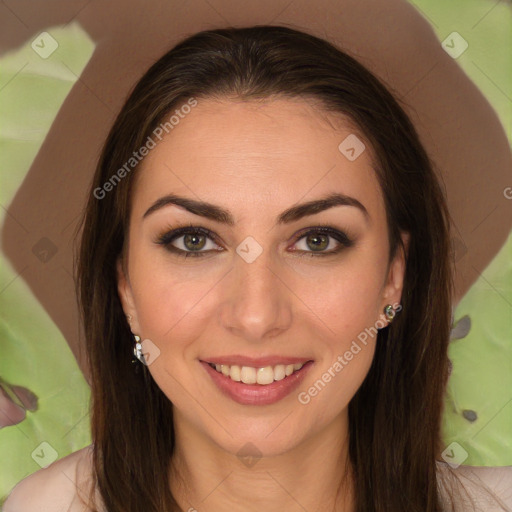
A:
(347, 299)
(348, 306)
(168, 312)
(167, 297)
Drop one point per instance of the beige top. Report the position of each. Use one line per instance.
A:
(57, 487)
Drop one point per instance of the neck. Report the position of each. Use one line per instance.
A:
(314, 476)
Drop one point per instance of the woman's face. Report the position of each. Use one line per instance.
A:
(263, 292)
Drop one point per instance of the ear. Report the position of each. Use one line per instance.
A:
(395, 280)
(124, 290)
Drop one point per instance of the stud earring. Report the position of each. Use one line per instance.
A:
(389, 312)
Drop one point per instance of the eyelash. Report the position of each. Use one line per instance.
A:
(170, 236)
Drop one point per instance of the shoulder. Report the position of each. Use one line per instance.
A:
(54, 489)
(489, 488)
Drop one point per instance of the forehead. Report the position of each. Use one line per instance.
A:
(270, 153)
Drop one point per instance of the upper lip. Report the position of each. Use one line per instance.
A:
(255, 362)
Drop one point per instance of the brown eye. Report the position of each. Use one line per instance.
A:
(188, 241)
(317, 240)
(194, 242)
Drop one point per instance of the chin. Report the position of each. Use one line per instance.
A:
(260, 438)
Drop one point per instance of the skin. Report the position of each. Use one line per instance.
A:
(258, 159)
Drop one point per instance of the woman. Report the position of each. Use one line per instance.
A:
(266, 236)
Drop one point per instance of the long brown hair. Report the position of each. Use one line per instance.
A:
(395, 416)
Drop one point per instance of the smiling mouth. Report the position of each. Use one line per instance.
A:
(263, 375)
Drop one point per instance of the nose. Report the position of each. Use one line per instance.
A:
(256, 302)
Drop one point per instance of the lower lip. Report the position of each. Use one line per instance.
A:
(257, 394)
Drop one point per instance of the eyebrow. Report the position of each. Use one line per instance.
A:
(223, 216)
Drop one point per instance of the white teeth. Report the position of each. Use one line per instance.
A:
(264, 375)
(234, 373)
(279, 373)
(248, 375)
